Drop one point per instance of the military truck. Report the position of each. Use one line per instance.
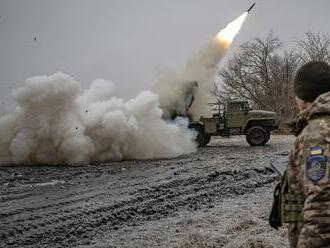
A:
(236, 118)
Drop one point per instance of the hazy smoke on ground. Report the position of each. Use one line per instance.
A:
(174, 84)
(54, 123)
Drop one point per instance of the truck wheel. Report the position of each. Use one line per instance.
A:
(257, 136)
(268, 135)
(206, 139)
(199, 129)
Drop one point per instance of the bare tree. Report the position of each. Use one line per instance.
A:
(280, 94)
(314, 47)
(217, 98)
(262, 73)
(261, 76)
(247, 75)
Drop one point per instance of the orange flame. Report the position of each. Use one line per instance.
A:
(228, 34)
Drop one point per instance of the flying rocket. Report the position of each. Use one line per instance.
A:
(251, 8)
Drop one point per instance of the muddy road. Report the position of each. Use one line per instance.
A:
(217, 197)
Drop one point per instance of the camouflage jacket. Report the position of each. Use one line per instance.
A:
(309, 174)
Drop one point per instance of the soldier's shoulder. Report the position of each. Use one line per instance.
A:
(317, 130)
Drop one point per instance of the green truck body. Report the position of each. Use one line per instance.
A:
(236, 118)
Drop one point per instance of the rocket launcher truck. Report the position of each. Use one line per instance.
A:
(233, 118)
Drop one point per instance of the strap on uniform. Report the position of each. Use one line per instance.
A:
(322, 116)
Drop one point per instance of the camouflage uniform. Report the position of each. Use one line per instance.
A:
(308, 174)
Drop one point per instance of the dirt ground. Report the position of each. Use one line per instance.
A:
(217, 197)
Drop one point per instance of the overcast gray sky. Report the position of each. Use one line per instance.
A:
(128, 41)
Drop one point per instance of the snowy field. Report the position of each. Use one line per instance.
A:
(217, 197)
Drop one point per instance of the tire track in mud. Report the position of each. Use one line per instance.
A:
(77, 216)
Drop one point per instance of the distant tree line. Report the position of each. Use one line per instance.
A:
(262, 73)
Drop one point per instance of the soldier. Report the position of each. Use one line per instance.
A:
(305, 191)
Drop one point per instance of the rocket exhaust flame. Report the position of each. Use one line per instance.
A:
(228, 34)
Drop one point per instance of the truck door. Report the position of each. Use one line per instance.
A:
(236, 115)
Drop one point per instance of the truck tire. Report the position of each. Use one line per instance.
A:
(206, 140)
(199, 129)
(268, 136)
(257, 136)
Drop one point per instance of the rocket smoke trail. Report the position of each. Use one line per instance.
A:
(173, 84)
(55, 122)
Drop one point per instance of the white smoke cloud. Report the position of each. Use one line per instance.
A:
(54, 123)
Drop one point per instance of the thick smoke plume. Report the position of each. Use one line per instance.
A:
(55, 123)
(174, 86)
